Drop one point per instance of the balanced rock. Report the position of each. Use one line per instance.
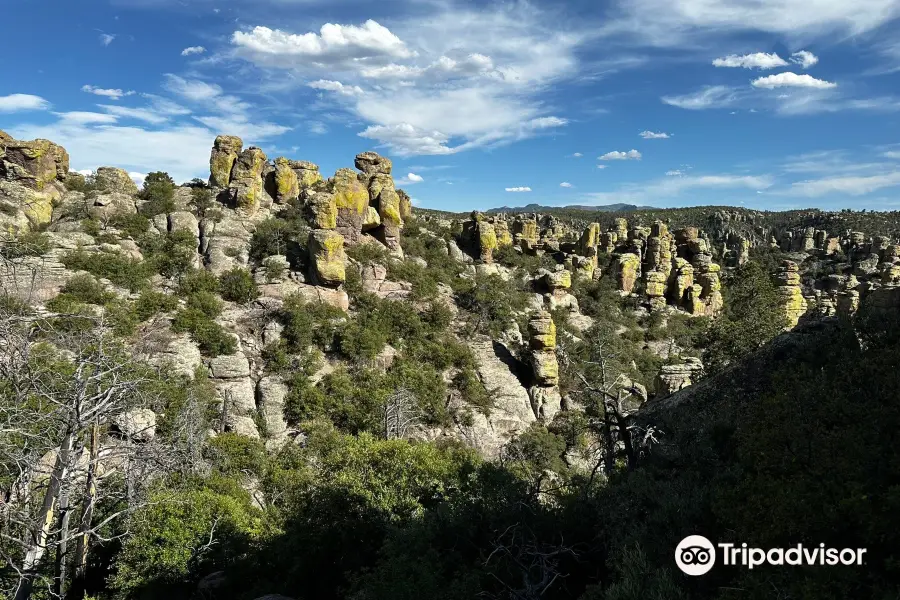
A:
(287, 186)
(225, 152)
(113, 180)
(371, 163)
(351, 202)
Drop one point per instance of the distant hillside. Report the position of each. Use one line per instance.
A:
(540, 208)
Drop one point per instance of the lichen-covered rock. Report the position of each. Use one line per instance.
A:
(788, 280)
(656, 284)
(33, 164)
(589, 240)
(486, 241)
(114, 204)
(557, 280)
(224, 153)
(113, 180)
(351, 201)
(271, 392)
(372, 219)
(620, 228)
(327, 257)
(371, 163)
(545, 402)
(287, 186)
(307, 173)
(546, 367)
(627, 271)
(542, 332)
(672, 378)
(234, 366)
(526, 233)
(23, 208)
(405, 205)
(322, 209)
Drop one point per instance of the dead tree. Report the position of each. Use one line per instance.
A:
(400, 413)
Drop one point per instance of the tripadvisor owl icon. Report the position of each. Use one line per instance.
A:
(695, 555)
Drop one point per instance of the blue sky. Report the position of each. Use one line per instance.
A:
(773, 104)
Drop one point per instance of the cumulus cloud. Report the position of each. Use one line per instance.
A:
(459, 79)
(577, 155)
(337, 87)
(410, 179)
(22, 102)
(138, 178)
(757, 60)
(804, 58)
(565, 184)
(193, 50)
(892, 154)
(650, 135)
(713, 96)
(317, 128)
(675, 173)
(112, 94)
(518, 189)
(617, 155)
(789, 79)
(334, 44)
(107, 38)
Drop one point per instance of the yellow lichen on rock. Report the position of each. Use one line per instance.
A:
(287, 186)
(627, 266)
(326, 250)
(225, 151)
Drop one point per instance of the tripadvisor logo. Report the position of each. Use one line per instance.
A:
(696, 555)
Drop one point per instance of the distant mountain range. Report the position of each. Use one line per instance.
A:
(541, 208)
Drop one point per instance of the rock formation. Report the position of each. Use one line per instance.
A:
(544, 393)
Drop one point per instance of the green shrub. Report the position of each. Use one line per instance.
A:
(84, 288)
(237, 285)
(309, 323)
(171, 254)
(134, 225)
(205, 302)
(158, 194)
(275, 269)
(151, 303)
(24, 244)
(234, 454)
(197, 280)
(122, 270)
(209, 336)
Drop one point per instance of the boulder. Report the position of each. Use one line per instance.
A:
(351, 201)
(225, 151)
(235, 366)
(327, 257)
(34, 164)
(627, 267)
(372, 163)
(672, 378)
(138, 424)
(287, 186)
(113, 180)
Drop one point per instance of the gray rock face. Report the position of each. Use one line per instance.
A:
(138, 424)
(229, 367)
(512, 412)
(271, 392)
(673, 378)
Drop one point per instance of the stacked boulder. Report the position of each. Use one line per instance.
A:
(479, 237)
(788, 280)
(382, 200)
(584, 262)
(544, 393)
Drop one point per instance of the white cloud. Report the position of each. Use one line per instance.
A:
(650, 135)
(444, 81)
(675, 173)
(334, 44)
(21, 102)
(518, 189)
(164, 106)
(193, 50)
(757, 60)
(852, 185)
(789, 79)
(84, 117)
(410, 179)
(577, 155)
(317, 128)
(107, 38)
(602, 166)
(673, 22)
(892, 154)
(194, 89)
(138, 178)
(617, 155)
(804, 58)
(565, 184)
(141, 114)
(714, 96)
(337, 87)
(113, 94)
(182, 151)
(671, 187)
